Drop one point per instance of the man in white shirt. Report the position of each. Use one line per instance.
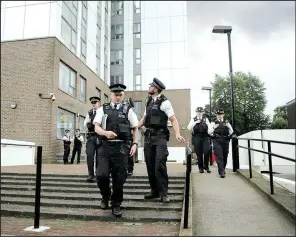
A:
(157, 113)
(67, 143)
(198, 126)
(114, 122)
(221, 132)
(92, 138)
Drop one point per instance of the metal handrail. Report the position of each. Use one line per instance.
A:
(269, 153)
(12, 144)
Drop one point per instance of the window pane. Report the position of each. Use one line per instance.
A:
(120, 79)
(98, 65)
(84, 13)
(83, 48)
(119, 29)
(64, 77)
(83, 33)
(75, 4)
(137, 87)
(98, 91)
(81, 124)
(65, 120)
(66, 33)
(74, 38)
(138, 80)
(119, 54)
(138, 53)
(73, 79)
(98, 51)
(66, 13)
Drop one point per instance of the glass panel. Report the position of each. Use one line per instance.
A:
(83, 33)
(119, 54)
(83, 48)
(84, 13)
(66, 13)
(177, 28)
(72, 79)
(74, 38)
(120, 79)
(98, 32)
(137, 27)
(65, 120)
(164, 29)
(74, 22)
(178, 55)
(66, 33)
(64, 76)
(98, 65)
(75, 4)
(138, 80)
(164, 55)
(98, 91)
(119, 29)
(138, 53)
(98, 51)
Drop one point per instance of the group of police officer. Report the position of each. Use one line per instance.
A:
(113, 135)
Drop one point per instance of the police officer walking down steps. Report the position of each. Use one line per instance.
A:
(221, 132)
(67, 143)
(78, 139)
(157, 113)
(114, 122)
(92, 138)
(200, 138)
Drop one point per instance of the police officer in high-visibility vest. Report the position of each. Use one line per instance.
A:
(200, 138)
(67, 142)
(221, 132)
(157, 113)
(114, 122)
(92, 138)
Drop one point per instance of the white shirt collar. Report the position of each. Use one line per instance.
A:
(155, 98)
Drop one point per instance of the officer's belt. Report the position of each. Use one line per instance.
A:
(156, 131)
(91, 133)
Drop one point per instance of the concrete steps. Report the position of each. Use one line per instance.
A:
(70, 196)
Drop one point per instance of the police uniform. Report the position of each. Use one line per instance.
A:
(221, 132)
(158, 111)
(113, 153)
(92, 140)
(200, 138)
(78, 139)
(67, 143)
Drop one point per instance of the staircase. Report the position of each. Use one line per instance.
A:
(70, 196)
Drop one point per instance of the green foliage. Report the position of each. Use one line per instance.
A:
(250, 101)
(280, 118)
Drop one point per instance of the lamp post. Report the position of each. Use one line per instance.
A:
(207, 88)
(227, 30)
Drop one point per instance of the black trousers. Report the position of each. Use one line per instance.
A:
(156, 153)
(66, 153)
(131, 163)
(201, 147)
(221, 150)
(91, 154)
(78, 150)
(112, 157)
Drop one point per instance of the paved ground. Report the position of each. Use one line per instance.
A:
(87, 228)
(174, 169)
(231, 207)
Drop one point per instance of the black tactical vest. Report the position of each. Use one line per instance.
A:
(77, 142)
(67, 143)
(200, 128)
(221, 130)
(155, 117)
(90, 126)
(117, 121)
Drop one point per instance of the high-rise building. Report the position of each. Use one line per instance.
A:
(82, 26)
(148, 39)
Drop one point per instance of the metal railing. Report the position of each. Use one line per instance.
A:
(12, 144)
(187, 186)
(269, 153)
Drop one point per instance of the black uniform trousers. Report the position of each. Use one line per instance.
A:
(156, 153)
(221, 150)
(201, 147)
(91, 151)
(112, 157)
(66, 153)
(78, 150)
(130, 167)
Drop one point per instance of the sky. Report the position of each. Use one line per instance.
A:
(263, 43)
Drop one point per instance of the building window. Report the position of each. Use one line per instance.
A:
(69, 24)
(137, 30)
(98, 92)
(65, 120)
(67, 79)
(137, 83)
(117, 32)
(82, 89)
(137, 6)
(81, 126)
(99, 14)
(83, 30)
(116, 80)
(116, 8)
(116, 57)
(137, 56)
(105, 72)
(106, 99)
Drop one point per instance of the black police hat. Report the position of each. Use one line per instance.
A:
(67, 130)
(77, 130)
(94, 99)
(220, 111)
(117, 87)
(199, 109)
(158, 84)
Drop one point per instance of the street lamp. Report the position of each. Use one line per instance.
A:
(227, 30)
(207, 88)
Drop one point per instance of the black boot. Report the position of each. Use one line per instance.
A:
(151, 195)
(164, 199)
(201, 171)
(116, 211)
(208, 170)
(104, 204)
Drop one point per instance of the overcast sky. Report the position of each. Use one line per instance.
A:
(263, 42)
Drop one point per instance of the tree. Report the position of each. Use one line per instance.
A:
(250, 101)
(280, 118)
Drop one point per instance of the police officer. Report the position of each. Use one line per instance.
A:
(92, 138)
(221, 132)
(78, 140)
(157, 113)
(200, 138)
(67, 143)
(114, 122)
